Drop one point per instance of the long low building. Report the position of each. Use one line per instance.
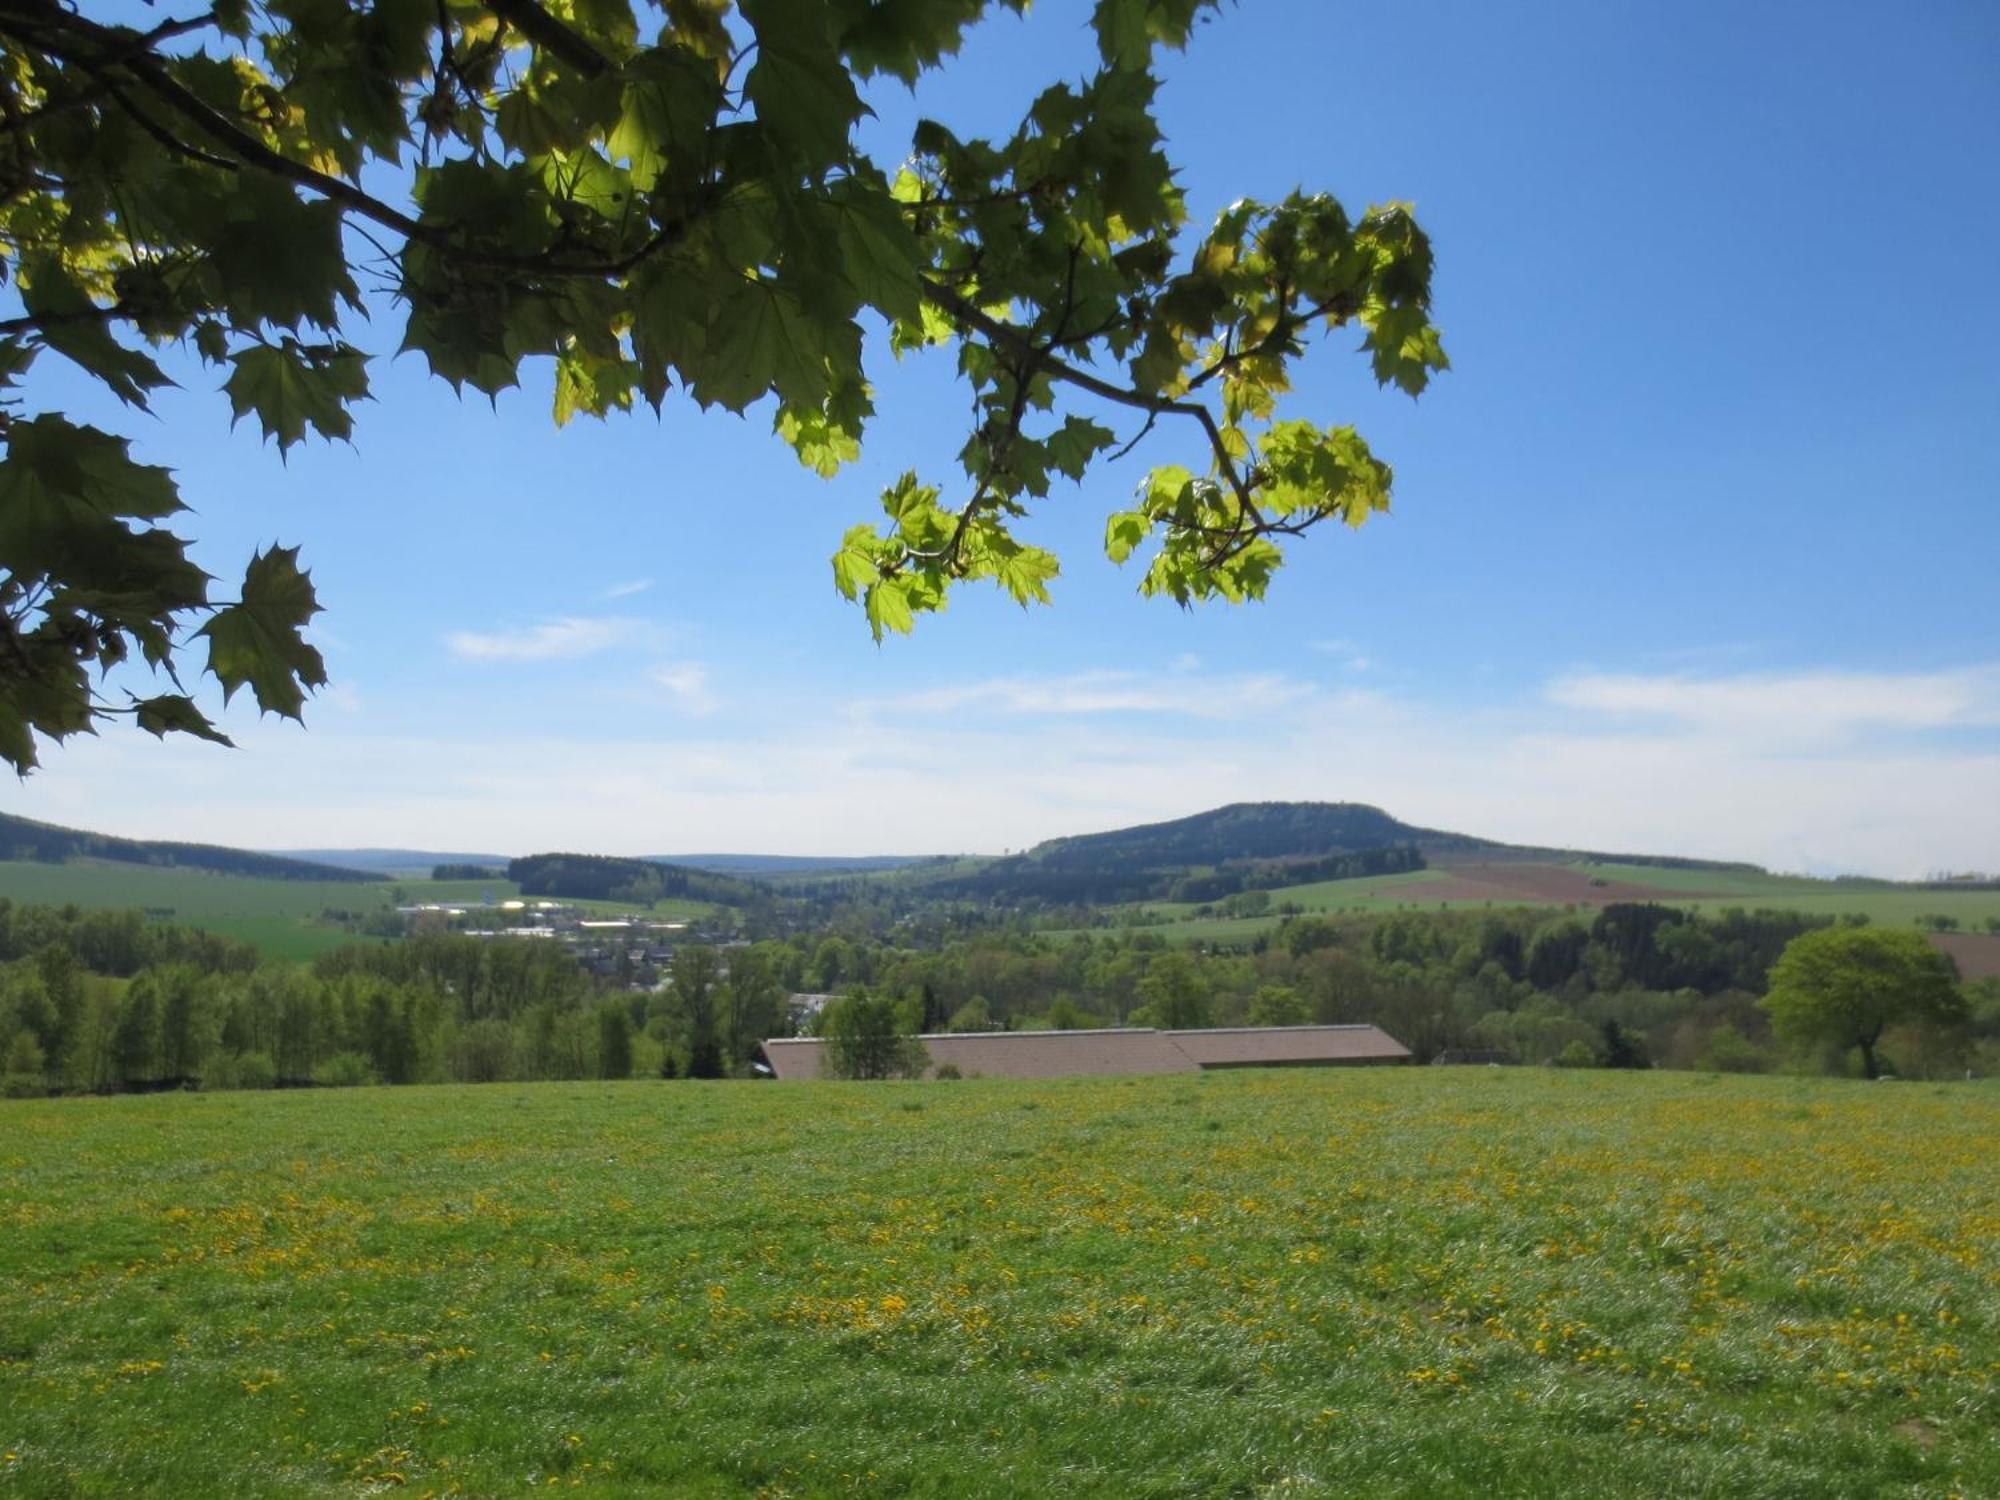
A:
(1131, 1049)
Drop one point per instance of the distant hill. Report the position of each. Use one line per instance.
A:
(400, 864)
(790, 864)
(1244, 846)
(25, 839)
(598, 877)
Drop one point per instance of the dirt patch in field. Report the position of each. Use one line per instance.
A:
(1978, 956)
(1519, 884)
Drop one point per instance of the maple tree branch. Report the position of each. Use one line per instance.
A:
(148, 72)
(1283, 329)
(552, 36)
(36, 322)
(1011, 338)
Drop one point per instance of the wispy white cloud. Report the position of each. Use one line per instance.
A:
(554, 640)
(1215, 696)
(1005, 762)
(686, 683)
(1809, 709)
(1350, 655)
(627, 589)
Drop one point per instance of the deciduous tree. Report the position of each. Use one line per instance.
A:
(655, 198)
(866, 1038)
(1844, 986)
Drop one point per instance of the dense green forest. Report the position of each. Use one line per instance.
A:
(103, 1001)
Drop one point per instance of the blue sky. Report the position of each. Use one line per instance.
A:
(1694, 550)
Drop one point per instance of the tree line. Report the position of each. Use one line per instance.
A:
(105, 1001)
(1629, 984)
(85, 1009)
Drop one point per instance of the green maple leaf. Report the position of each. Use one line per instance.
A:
(1123, 533)
(857, 564)
(172, 713)
(804, 95)
(1074, 444)
(1128, 29)
(65, 493)
(71, 328)
(888, 605)
(1025, 573)
(587, 383)
(259, 640)
(821, 443)
(762, 340)
(667, 108)
(878, 251)
(291, 388)
(279, 259)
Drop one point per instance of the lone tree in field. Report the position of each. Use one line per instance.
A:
(865, 1038)
(1845, 986)
(653, 197)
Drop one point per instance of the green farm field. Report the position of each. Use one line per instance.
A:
(281, 917)
(1698, 890)
(1386, 1282)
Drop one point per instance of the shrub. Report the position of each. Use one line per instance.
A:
(1730, 1051)
(1578, 1054)
(344, 1070)
(252, 1070)
(481, 1052)
(948, 1071)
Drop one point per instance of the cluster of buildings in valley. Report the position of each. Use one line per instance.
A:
(635, 949)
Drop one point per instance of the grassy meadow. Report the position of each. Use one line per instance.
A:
(1385, 1282)
(282, 918)
(1707, 891)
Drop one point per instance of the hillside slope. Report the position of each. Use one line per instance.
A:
(1241, 847)
(26, 840)
(599, 877)
(399, 864)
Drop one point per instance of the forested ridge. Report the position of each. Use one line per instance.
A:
(1245, 846)
(26, 839)
(598, 877)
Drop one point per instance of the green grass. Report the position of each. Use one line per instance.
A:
(1367, 895)
(281, 917)
(1889, 908)
(1745, 883)
(1362, 893)
(1426, 1282)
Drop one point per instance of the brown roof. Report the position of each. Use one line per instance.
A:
(1015, 1054)
(1054, 1054)
(1296, 1046)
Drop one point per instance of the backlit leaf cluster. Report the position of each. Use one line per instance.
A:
(653, 200)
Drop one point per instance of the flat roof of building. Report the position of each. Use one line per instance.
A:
(1115, 1050)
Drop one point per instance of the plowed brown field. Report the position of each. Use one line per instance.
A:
(1978, 956)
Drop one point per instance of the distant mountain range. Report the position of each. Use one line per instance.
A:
(791, 864)
(399, 864)
(25, 839)
(416, 864)
(1244, 846)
